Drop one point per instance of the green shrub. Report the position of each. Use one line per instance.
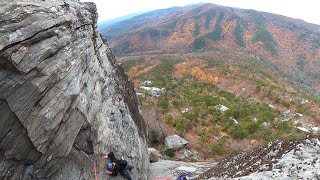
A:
(130, 63)
(238, 132)
(161, 74)
(283, 126)
(298, 124)
(214, 129)
(154, 136)
(240, 113)
(265, 74)
(164, 104)
(258, 87)
(285, 104)
(140, 99)
(217, 148)
(244, 129)
(227, 95)
(203, 138)
(182, 124)
(176, 103)
(169, 152)
(267, 115)
(264, 133)
(211, 101)
(169, 119)
(213, 62)
(161, 147)
(214, 111)
(192, 116)
(223, 139)
(227, 122)
(195, 100)
(295, 137)
(277, 100)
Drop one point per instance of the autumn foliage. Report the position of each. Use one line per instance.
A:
(204, 76)
(195, 68)
(184, 67)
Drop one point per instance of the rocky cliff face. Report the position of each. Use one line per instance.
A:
(61, 91)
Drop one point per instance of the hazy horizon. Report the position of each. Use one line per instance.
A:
(306, 10)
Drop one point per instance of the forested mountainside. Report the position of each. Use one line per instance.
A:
(289, 47)
(230, 79)
(219, 106)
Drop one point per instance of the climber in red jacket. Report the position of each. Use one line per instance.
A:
(116, 166)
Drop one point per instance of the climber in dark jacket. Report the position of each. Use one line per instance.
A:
(117, 166)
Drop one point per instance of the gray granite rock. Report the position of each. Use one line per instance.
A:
(277, 160)
(154, 155)
(185, 154)
(62, 94)
(175, 142)
(300, 163)
(172, 169)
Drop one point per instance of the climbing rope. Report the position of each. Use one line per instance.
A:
(95, 170)
(92, 160)
(95, 164)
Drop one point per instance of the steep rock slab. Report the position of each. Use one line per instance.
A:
(279, 159)
(61, 91)
(300, 163)
(172, 169)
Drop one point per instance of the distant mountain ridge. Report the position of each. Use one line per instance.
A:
(291, 47)
(104, 24)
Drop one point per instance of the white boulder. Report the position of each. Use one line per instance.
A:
(175, 142)
(154, 155)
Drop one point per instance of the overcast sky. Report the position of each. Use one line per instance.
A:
(308, 10)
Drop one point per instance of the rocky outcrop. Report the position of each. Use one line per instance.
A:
(185, 154)
(154, 155)
(175, 142)
(276, 160)
(62, 95)
(301, 163)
